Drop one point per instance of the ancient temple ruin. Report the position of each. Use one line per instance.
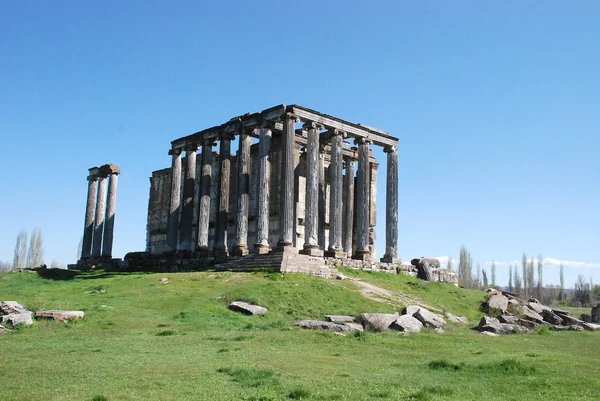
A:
(306, 186)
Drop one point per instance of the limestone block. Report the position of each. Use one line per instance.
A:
(247, 308)
(60, 315)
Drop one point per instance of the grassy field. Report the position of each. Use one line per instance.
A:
(142, 340)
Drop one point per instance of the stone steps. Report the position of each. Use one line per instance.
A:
(283, 260)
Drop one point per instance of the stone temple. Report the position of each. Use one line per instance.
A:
(298, 195)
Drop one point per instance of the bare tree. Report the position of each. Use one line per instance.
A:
(35, 253)
(517, 280)
(561, 294)
(524, 267)
(465, 267)
(493, 272)
(79, 248)
(581, 293)
(5, 267)
(20, 250)
(530, 278)
(540, 272)
(57, 265)
(485, 279)
(510, 279)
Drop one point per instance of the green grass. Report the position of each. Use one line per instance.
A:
(142, 340)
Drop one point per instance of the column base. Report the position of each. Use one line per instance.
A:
(391, 259)
(336, 253)
(240, 250)
(221, 251)
(282, 244)
(362, 255)
(261, 248)
(203, 252)
(311, 251)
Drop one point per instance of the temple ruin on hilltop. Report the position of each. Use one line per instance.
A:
(299, 195)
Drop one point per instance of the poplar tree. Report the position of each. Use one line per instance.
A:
(493, 272)
(524, 266)
(510, 279)
(561, 294)
(540, 272)
(517, 280)
(20, 250)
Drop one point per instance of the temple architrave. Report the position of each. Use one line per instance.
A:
(301, 181)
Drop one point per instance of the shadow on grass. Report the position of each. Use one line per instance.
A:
(64, 275)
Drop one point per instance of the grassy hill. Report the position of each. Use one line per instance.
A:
(145, 340)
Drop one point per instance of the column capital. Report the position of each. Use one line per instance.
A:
(227, 137)
(312, 125)
(292, 116)
(190, 147)
(94, 173)
(175, 151)
(109, 169)
(336, 132)
(390, 149)
(358, 141)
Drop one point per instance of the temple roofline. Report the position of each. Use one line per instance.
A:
(250, 121)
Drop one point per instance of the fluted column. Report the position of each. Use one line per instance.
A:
(88, 230)
(187, 210)
(100, 210)
(264, 176)
(175, 204)
(286, 197)
(204, 206)
(335, 197)
(111, 206)
(348, 207)
(240, 248)
(223, 199)
(391, 207)
(311, 223)
(362, 202)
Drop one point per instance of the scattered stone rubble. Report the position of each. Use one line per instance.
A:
(412, 320)
(246, 308)
(14, 313)
(518, 315)
(60, 315)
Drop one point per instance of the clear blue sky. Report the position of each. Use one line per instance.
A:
(496, 104)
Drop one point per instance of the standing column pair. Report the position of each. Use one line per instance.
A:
(100, 216)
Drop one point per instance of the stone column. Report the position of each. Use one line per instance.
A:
(391, 207)
(175, 204)
(322, 208)
(264, 176)
(335, 197)
(348, 206)
(372, 208)
(223, 197)
(100, 209)
(88, 230)
(204, 204)
(111, 206)
(240, 248)
(187, 210)
(362, 201)
(286, 197)
(311, 222)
